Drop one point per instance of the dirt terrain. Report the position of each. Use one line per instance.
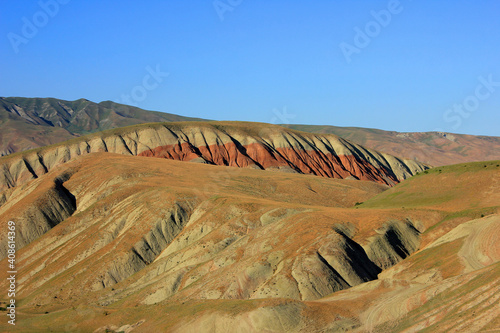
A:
(138, 244)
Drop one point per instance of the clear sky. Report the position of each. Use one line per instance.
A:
(418, 65)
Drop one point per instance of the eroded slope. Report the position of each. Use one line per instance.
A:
(250, 145)
(165, 245)
(27, 123)
(434, 148)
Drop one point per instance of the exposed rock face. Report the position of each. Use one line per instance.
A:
(396, 242)
(171, 237)
(235, 144)
(28, 123)
(147, 249)
(311, 160)
(101, 219)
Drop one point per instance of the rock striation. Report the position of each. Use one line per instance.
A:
(236, 144)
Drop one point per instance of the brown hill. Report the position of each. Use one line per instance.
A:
(131, 243)
(27, 123)
(433, 148)
(238, 144)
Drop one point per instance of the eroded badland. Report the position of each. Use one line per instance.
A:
(273, 230)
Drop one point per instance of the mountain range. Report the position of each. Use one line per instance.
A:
(27, 123)
(434, 148)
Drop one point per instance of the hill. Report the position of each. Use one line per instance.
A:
(238, 144)
(27, 123)
(131, 243)
(433, 148)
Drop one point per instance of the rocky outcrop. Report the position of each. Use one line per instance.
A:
(434, 148)
(148, 222)
(149, 239)
(251, 145)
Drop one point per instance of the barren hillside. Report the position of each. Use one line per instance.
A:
(237, 144)
(27, 123)
(116, 242)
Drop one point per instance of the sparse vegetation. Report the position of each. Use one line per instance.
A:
(261, 234)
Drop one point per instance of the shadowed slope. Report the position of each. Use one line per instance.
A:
(219, 233)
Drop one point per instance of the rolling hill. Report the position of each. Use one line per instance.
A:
(27, 123)
(116, 242)
(203, 226)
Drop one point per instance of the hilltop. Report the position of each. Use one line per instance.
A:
(27, 123)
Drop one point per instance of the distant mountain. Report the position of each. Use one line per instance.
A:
(27, 123)
(434, 148)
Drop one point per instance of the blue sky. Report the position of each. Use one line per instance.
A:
(395, 65)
